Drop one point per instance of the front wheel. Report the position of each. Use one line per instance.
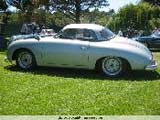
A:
(25, 60)
(112, 66)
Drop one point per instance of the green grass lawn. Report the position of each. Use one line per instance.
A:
(53, 91)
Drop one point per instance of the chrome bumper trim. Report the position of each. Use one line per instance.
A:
(152, 66)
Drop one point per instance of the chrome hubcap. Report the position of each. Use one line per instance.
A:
(25, 60)
(112, 66)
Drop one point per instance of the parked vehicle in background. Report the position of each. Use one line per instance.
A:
(87, 46)
(152, 41)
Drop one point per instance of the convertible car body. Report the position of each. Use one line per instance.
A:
(87, 46)
(151, 41)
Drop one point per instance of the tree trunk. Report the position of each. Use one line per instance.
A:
(78, 11)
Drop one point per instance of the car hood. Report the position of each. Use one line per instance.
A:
(130, 44)
(123, 40)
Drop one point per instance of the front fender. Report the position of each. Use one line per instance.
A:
(136, 57)
(31, 46)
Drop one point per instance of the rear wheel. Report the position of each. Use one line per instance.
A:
(113, 66)
(25, 60)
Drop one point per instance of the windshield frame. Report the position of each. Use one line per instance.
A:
(106, 34)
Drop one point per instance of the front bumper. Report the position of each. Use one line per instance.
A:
(152, 66)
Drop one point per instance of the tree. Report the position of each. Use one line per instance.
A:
(153, 2)
(4, 17)
(74, 8)
(96, 16)
(19, 4)
(3, 5)
(141, 17)
(25, 5)
(30, 9)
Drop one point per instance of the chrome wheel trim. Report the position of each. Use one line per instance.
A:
(112, 66)
(25, 60)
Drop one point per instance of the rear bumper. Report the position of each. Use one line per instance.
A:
(152, 66)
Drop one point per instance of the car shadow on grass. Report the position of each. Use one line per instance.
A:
(88, 74)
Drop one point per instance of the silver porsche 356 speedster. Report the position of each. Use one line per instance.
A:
(87, 46)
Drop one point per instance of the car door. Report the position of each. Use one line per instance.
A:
(66, 50)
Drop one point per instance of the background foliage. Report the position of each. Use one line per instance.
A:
(141, 17)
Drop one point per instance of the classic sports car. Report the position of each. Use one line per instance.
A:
(87, 46)
(151, 41)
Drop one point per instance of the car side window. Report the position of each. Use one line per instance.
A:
(68, 34)
(79, 34)
(90, 35)
(85, 35)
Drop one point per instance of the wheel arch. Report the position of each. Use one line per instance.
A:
(125, 61)
(15, 53)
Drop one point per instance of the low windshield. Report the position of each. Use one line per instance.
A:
(106, 34)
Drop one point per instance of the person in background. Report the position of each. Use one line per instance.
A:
(24, 29)
(34, 27)
(29, 28)
(155, 29)
(120, 33)
(41, 27)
